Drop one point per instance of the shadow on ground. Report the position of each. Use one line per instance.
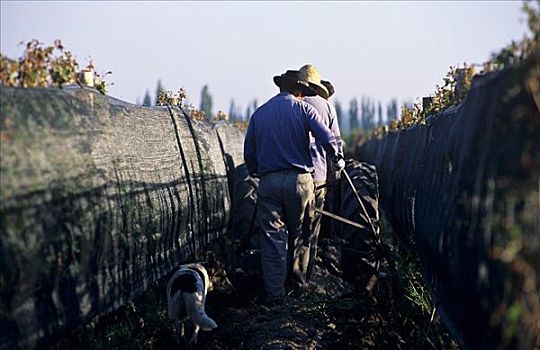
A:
(337, 315)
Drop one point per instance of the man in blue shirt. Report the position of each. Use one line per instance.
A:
(276, 149)
(324, 174)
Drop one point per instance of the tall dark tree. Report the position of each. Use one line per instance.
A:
(206, 102)
(340, 116)
(367, 113)
(380, 114)
(254, 105)
(147, 100)
(232, 108)
(234, 112)
(372, 113)
(159, 88)
(251, 108)
(353, 113)
(248, 112)
(392, 110)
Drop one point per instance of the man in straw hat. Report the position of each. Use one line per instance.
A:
(276, 149)
(324, 173)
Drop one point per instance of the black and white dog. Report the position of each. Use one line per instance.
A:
(186, 294)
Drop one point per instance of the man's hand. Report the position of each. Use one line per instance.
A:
(339, 165)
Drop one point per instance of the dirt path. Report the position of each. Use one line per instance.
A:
(335, 316)
(395, 315)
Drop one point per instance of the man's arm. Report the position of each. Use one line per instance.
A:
(250, 149)
(323, 135)
(334, 126)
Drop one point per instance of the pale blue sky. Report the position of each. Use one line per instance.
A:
(379, 49)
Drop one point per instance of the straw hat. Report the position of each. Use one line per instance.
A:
(295, 77)
(310, 74)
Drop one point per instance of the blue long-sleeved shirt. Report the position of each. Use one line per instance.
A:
(318, 153)
(278, 136)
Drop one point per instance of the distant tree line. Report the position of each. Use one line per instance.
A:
(364, 114)
(235, 112)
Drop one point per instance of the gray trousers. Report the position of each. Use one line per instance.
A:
(282, 198)
(312, 227)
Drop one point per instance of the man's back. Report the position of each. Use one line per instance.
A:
(318, 154)
(278, 134)
(325, 109)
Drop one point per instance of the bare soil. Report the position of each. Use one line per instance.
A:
(337, 314)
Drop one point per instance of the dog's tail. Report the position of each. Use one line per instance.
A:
(205, 322)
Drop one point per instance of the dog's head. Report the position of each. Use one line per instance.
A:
(217, 275)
